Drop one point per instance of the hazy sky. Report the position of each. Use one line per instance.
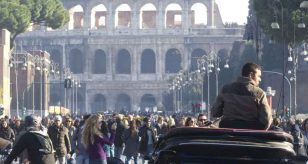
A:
(233, 10)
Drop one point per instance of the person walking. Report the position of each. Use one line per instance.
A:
(118, 142)
(242, 104)
(147, 134)
(35, 141)
(94, 141)
(82, 156)
(59, 136)
(131, 140)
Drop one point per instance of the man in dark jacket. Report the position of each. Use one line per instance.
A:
(58, 134)
(148, 135)
(118, 142)
(38, 152)
(243, 104)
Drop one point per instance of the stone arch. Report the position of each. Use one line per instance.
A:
(123, 16)
(147, 16)
(147, 102)
(198, 15)
(81, 104)
(173, 61)
(55, 99)
(173, 16)
(98, 17)
(123, 65)
(76, 61)
(56, 57)
(148, 61)
(123, 103)
(196, 53)
(223, 55)
(76, 17)
(99, 62)
(99, 103)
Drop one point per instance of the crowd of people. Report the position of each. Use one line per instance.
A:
(96, 137)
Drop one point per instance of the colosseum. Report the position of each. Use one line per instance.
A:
(122, 53)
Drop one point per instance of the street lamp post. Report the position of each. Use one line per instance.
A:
(73, 98)
(275, 25)
(293, 58)
(290, 86)
(77, 85)
(40, 67)
(67, 77)
(293, 55)
(216, 65)
(205, 60)
(15, 60)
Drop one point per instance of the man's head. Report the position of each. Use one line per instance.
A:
(32, 121)
(17, 121)
(147, 121)
(58, 120)
(4, 123)
(253, 72)
(68, 121)
(201, 120)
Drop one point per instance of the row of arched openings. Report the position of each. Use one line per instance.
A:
(123, 103)
(99, 104)
(173, 16)
(123, 62)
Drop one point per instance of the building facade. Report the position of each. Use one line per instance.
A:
(4, 70)
(122, 53)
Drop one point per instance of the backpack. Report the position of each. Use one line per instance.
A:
(44, 141)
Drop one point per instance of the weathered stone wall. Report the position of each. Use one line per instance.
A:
(135, 85)
(5, 69)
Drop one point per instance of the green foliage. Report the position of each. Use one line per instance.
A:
(270, 59)
(14, 17)
(288, 15)
(17, 15)
(234, 61)
(249, 54)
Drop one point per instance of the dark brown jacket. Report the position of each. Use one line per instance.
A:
(60, 140)
(243, 100)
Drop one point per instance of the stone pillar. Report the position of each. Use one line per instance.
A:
(112, 62)
(112, 99)
(5, 98)
(134, 64)
(211, 14)
(135, 19)
(108, 63)
(87, 56)
(160, 17)
(87, 20)
(159, 100)
(159, 62)
(135, 101)
(86, 100)
(110, 17)
(186, 17)
(186, 59)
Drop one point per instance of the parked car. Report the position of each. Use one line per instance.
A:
(188, 145)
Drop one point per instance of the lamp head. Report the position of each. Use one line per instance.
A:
(304, 4)
(275, 25)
